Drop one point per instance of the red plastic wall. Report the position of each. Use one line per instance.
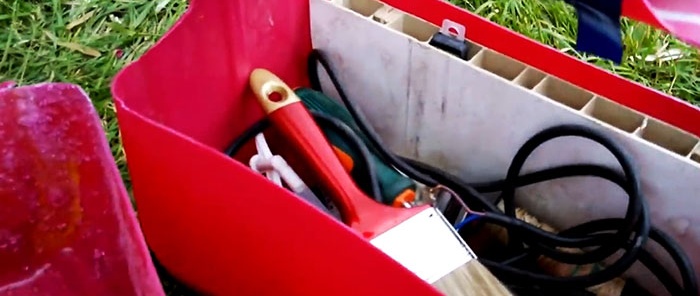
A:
(209, 219)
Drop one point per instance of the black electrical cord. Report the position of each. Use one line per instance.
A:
(357, 144)
(662, 274)
(316, 57)
(608, 244)
(247, 136)
(636, 226)
(688, 277)
(470, 193)
(681, 259)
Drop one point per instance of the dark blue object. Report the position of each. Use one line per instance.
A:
(599, 30)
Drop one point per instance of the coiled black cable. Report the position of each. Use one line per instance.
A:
(680, 258)
(608, 244)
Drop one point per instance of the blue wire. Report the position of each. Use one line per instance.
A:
(466, 221)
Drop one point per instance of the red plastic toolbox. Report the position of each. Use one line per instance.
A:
(187, 98)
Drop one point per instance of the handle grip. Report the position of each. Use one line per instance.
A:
(293, 120)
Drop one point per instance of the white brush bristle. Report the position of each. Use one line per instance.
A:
(469, 280)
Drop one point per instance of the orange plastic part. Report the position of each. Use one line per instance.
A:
(345, 159)
(406, 197)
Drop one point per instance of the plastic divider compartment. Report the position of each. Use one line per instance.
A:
(669, 137)
(474, 49)
(564, 92)
(614, 114)
(529, 78)
(414, 27)
(695, 156)
(363, 7)
(386, 14)
(498, 64)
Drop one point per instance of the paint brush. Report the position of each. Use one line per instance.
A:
(419, 237)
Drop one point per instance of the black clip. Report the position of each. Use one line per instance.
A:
(451, 39)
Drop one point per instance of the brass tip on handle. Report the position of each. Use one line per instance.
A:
(271, 91)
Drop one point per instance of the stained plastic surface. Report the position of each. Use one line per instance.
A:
(226, 230)
(67, 226)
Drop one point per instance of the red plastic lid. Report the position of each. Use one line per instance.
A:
(680, 18)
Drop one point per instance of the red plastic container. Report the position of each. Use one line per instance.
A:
(225, 230)
(67, 226)
(681, 18)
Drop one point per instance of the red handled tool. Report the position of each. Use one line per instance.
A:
(419, 237)
(288, 114)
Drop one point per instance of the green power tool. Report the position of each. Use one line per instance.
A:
(396, 189)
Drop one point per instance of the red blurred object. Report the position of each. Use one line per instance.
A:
(225, 230)
(6, 84)
(679, 17)
(67, 226)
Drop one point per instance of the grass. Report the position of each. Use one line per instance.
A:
(87, 42)
(82, 42)
(553, 22)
